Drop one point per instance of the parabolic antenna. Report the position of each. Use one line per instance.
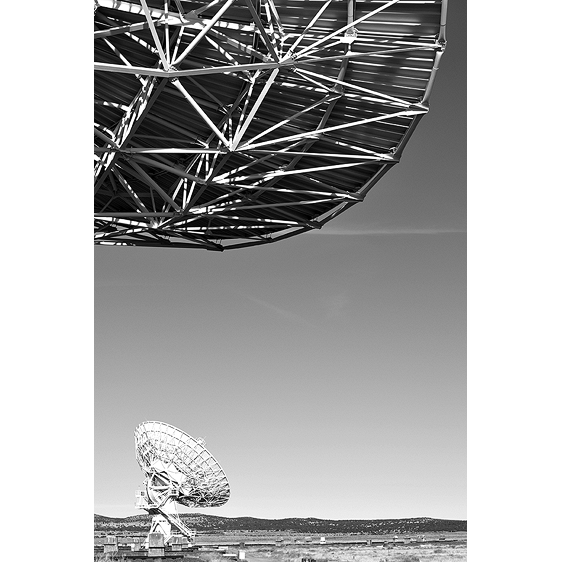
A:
(178, 469)
(227, 123)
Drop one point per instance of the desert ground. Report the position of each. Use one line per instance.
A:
(353, 553)
(452, 548)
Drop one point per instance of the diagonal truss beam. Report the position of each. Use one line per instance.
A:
(317, 132)
(244, 126)
(153, 184)
(385, 98)
(127, 126)
(325, 99)
(202, 113)
(283, 172)
(263, 33)
(118, 53)
(242, 47)
(155, 36)
(341, 30)
(307, 28)
(137, 200)
(203, 32)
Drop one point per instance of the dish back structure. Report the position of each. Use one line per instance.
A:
(227, 123)
(178, 469)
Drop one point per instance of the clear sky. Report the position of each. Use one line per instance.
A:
(327, 372)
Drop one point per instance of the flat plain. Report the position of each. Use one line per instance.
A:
(430, 552)
(432, 547)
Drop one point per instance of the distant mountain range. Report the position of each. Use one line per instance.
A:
(207, 524)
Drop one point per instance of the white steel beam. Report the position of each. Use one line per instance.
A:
(317, 132)
(155, 36)
(345, 28)
(154, 185)
(200, 111)
(385, 97)
(203, 32)
(124, 59)
(226, 69)
(242, 47)
(374, 157)
(263, 33)
(173, 169)
(170, 150)
(325, 99)
(305, 30)
(131, 192)
(127, 126)
(283, 172)
(243, 126)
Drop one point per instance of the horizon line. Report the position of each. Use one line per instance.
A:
(281, 518)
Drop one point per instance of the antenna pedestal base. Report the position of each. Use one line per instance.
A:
(159, 525)
(162, 523)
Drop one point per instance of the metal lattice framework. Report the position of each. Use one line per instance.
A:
(231, 123)
(180, 464)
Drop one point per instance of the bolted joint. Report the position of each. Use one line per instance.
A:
(172, 68)
(338, 90)
(289, 63)
(350, 36)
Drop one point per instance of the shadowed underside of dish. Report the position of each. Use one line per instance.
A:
(230, 123)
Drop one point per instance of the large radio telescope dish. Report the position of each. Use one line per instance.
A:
(227, 123)
(178, 469)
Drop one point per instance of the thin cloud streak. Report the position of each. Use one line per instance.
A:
(281, 312)
(331, 231)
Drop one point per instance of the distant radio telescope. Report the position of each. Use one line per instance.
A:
(178, 469)
(230, 123)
